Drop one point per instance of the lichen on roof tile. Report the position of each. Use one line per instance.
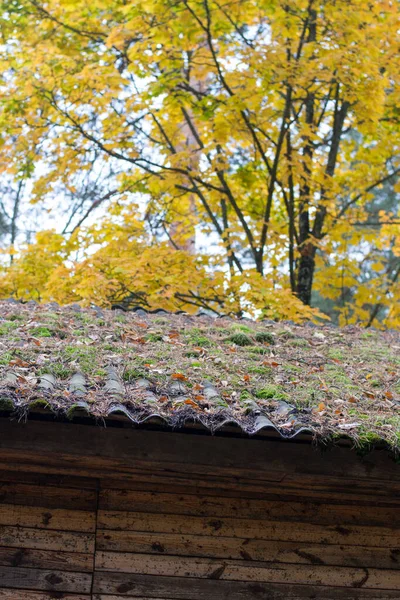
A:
(327, 380)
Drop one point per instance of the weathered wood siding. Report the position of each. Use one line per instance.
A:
(47, 535)
(121, 514)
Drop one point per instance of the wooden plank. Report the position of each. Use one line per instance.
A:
(45, 518)
(57, 480)
(200, 568)
(47, 496)
(37, 579)
(46, 559)
(216, 507)
(41, 539)
(357, 491)
(310, 487)
(110, 522)
(24, 595)
(332, 490)
(249, 550)
(112, 449)
(119, 585)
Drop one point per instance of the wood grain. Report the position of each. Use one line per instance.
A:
(17, 537)
(31, 595)
(46, 559)
(166, 516)
(242, 528)
(312, 574)
(248, 549)
(211, 506)
(38, 579)
(47, 496)
(111, 450)
(175, 588)
(47, 518)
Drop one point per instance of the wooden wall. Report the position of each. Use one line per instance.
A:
(88, 513)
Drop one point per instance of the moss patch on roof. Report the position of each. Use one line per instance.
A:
(330, 381)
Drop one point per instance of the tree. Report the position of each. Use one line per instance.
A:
(293, 119)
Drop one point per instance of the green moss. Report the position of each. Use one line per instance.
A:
(120, 318)
(271, 391)
(220, 402)
(368, 335)
(50, 316)
(5, 358)
(73, 410)
(80, 333)
(264, 337)
(85, 318)
(298, 342)
(366, 439)
(375, 383)
(118, 349)
(85, 356)
(57, 369)
(39, 403)
(100, 373)
(335, 353)
(192, 354)
(307, 397)
(336, 374)
(140, 360)
(222, 331)
(6, 404)
(242, 328)
(240, 339)
(200, 340)
(245, 395)
(292, 369)
(7, 326)
(286, 335)
(258, 350)
(41, 332)
(154, 337)
(260, 370)
(132, 372)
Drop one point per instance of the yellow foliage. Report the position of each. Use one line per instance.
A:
(264, 128)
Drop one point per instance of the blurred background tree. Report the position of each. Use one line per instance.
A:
(254, 145)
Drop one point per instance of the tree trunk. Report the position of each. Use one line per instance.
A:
(306, 262)
(305, 273)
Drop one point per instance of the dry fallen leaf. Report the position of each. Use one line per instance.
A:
(191, 403)
(270, 363)
(179, 376)
(18, 362)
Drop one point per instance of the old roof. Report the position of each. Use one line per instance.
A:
(181, 368)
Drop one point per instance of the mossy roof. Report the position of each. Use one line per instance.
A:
(325, 380)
